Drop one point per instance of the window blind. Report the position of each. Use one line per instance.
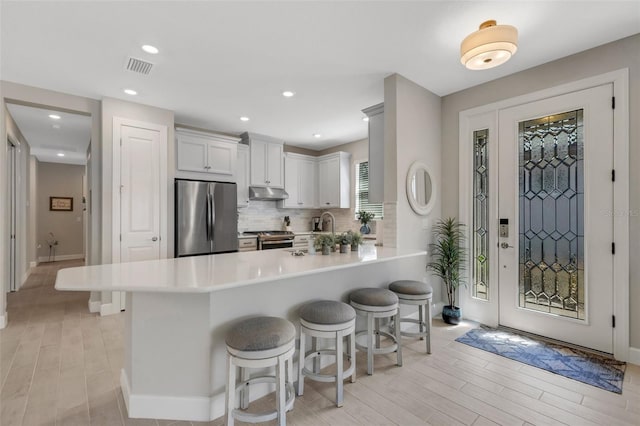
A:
(362, 192)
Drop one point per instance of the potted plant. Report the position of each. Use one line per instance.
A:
(356, 240)
(324, 242)
(365, 217)
(345, 240)
(448, 261)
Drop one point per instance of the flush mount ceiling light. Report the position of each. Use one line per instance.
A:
(244, 118)
(489, 47)
(317, 135)
(288, 93)
(150, 49)
(60, 154)
(130, 92)
(365, 118)
(54, 117)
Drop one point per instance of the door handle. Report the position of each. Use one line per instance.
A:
(505, 245)
(154, 238)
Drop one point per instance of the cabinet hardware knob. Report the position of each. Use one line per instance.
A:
(154, 239)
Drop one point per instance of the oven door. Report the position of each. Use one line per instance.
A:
(275, 244)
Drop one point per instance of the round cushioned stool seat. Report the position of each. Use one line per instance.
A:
(260, 334)
(373, 297)
(409, 287)
(327, 312)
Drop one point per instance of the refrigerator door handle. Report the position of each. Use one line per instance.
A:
(210, 218)
(209, 236)
(213, 211)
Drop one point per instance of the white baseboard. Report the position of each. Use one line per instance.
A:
(3, 320)
(58, 258)
(634, 356)
(94, 306)
(108, 309)
(197, 409)
(33, 264)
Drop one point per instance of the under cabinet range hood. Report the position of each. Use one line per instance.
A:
(259, 193)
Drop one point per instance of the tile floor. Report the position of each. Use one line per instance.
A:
(59, 365)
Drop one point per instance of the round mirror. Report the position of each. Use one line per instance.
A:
(420, 188)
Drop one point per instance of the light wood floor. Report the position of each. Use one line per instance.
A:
(59, 365)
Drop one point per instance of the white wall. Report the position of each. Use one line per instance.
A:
(609, 57)
(412, 132)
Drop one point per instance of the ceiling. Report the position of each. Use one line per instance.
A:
(71, 137)
(219, 61)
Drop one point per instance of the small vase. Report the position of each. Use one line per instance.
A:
(451, 315)
(326, 250)
(354, 247)
(364, 229)
(344, 248)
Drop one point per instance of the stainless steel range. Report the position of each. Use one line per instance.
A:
(273, 239)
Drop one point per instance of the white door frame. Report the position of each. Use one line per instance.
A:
(117, 301)
(486, 117)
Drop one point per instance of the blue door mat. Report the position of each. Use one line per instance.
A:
(583, 366)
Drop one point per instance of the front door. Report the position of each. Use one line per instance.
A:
(555, 199)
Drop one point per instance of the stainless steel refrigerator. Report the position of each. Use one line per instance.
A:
(206, 217)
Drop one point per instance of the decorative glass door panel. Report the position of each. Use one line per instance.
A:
(551, 197)
(480, 262)
(555, 266)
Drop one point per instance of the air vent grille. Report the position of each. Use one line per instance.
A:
(139, 66)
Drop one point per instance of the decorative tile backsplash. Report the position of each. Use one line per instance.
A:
(265, 215)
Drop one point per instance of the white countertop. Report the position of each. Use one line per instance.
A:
(202, 274)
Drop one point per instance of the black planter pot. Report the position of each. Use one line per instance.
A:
(451, 315)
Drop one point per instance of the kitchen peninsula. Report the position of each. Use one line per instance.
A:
(179, 310)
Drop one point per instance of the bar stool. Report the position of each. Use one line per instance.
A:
(259, 343)
(377, 303)
(411, 292)
(327, 319)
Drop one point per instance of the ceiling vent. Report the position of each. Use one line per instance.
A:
(139, 66)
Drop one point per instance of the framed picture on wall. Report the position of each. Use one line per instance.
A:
(63, 204)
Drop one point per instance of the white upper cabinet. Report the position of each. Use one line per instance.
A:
(300, 181)
(242, 175)
(376, 152)
(334, 180)
(267, 160)
(206, 156)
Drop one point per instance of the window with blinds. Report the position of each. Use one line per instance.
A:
(362, 192)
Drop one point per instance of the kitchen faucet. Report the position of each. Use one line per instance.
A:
(333, 221)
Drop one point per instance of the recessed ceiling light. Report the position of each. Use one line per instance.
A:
(60, 154)
(288, 93)
(54, 117)
(317, 135)
(130, 92)
(150, 49)
(56, 126)
(365, 118)
(244, 118)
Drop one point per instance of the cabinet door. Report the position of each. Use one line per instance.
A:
(329, 183)
(221, 157)
(308, 183)
(242, 175)
(292, 182)
(275, 165)
(258, 163)
(192, 154)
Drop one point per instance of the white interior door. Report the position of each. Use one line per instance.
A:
(556, 192)
(139, 172)
(139, 194)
